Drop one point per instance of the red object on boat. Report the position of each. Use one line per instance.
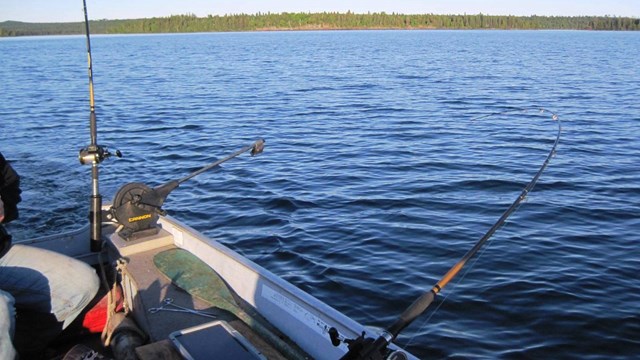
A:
(96, 318)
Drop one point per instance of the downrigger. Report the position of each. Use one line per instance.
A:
(137, 207)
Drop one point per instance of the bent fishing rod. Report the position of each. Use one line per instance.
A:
(368, 348)
(93, 154)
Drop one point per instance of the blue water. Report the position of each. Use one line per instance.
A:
(375, 179)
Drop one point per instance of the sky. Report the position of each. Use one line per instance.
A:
(71, 10)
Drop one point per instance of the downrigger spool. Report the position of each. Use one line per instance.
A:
(137, 207)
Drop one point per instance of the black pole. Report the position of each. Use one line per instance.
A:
(93, 154)
(256, 148)
(160, 193)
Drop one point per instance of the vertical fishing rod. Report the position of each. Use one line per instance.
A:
(92, 105)
(93, 154)
(363, 348)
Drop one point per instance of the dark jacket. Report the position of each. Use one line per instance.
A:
(10, 194)
(9, 190)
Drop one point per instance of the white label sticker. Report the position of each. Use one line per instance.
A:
(294, 309)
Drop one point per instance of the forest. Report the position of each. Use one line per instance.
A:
(321, 21)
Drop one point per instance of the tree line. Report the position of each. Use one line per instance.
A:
(321, 21)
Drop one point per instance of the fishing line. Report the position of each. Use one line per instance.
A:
(454, 286)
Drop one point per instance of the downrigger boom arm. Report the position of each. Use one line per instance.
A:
(136, 206)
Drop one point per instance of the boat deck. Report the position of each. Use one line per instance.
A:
(148, 288)
(153, 287)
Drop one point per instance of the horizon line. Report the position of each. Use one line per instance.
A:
(317, 12)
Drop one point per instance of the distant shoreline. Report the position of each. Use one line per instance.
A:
(321, 21)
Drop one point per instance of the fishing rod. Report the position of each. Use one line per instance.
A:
(93, 154)
(368, 348)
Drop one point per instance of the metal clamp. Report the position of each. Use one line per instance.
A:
(169, 305)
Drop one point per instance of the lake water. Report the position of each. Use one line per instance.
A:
(375, 179)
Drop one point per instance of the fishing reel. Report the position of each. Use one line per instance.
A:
(96, 154)
(137, 208)
(366, 348)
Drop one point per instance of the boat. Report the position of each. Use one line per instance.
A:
(170, 292)
(237, 300)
